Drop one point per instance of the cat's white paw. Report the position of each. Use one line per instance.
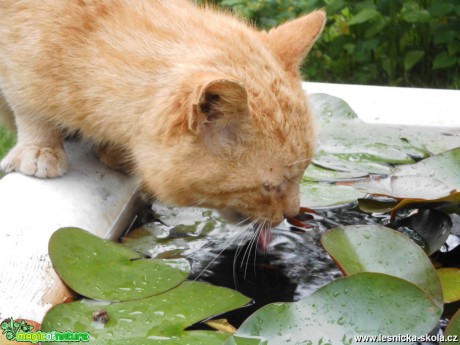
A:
(43, 162)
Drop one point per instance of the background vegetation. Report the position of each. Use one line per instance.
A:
(381, 42)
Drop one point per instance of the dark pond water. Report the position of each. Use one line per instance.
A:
(294, 266)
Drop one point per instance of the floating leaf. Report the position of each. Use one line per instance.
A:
(317, 173)
(155, 320)
(453, 329)
(221, 325)
(435, 179)
(106, 270)
(363, 164)
(405, 187)
(450, 281)
(316, 195)
(381, 205)
(442, 167)
(373, 248)
(432, 225)
(350, 144)
(360, 304)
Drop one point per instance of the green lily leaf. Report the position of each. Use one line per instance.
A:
(435, 179)
(450, 281)
(106, 270)
(360, 304)
(377, 205)
(346, 143)
(355, 163)
(315, 195)
(372, 248)
(160, 319)
(317, 173)
(432, 225)
(453, 329)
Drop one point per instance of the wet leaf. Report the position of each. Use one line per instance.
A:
(381, 205)
(353, 163)
(160, 319)
(373, 248)
(443, 167)
(106, 270)
(360, 304)
(348, 144)
(221, 325)
(453, 329)
(316, 195)
(435, 179)
(405, 187)
(432, 225)
(317, 173)
(450, 281)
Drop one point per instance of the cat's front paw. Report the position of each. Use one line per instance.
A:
(33, 160)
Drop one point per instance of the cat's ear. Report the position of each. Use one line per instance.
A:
(220, 115)
(292, 41)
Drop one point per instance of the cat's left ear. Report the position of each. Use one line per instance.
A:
(292, 41)
(221, 116)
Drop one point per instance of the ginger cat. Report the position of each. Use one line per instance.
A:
(207, 110)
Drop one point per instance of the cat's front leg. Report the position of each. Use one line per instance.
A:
(39, 151)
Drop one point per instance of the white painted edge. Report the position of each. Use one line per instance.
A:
(396, 105)
(89, 196)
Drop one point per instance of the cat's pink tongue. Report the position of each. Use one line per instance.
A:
(264, 240)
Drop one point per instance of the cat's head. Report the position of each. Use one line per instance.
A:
(245, 137)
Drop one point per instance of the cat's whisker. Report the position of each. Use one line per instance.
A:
(252, 243)
(238, 251)
(247, 251)
(231, 239)
(226, 246)
(241, 230)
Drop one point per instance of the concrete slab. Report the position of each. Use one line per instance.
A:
(89, 196)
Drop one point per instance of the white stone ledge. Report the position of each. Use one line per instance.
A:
(89, 196)
(397, 105)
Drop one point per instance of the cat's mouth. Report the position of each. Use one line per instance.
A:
(262, 228)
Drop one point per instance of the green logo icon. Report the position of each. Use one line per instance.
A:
(11, 328)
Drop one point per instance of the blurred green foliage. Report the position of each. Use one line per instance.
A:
(382, 42)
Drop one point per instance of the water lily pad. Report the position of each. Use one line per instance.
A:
(453, 329)
(342, 132)
(322, 194)
(106, 270)
(373, 248)
(155, 320)
(432, 180)
(432, 225)
(379, 205)
(450, 281)
(406, 187)
(360, 304)
(317, 173)
(354, 163)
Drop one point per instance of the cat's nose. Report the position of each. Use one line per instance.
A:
(291, 209)
(291, 213)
